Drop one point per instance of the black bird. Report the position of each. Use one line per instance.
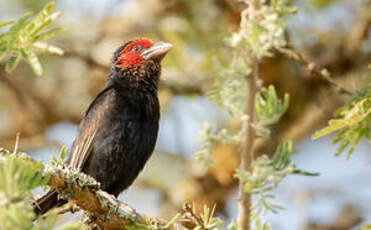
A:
(119, 130)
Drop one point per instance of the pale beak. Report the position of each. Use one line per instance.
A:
(157, 51)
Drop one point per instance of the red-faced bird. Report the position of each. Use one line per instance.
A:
(118, 133)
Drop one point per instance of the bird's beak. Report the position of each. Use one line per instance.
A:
(157, 51)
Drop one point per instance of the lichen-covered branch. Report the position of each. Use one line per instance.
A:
(107, 213)
(103, 209)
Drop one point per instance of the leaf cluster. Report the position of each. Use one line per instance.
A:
(263, 29)
(203, 221)
(352, 122)
(229, 89)
(266, 174)
(269, 109)
(27, 34)
(61, 161)
(18, 175)
(207, 139)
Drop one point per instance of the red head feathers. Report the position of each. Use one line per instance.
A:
(131, 55)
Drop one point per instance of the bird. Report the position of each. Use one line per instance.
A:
(118, 132)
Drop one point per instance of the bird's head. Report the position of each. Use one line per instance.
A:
(137, 52)
(137, 63)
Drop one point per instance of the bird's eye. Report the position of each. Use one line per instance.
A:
(136, 49)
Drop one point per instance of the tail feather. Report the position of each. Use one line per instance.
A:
(47, 202)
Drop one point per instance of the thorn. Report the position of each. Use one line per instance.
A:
(16, 145)
(311, 66)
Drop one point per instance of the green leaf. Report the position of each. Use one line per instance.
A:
(281, 158)
(13, 61)
(47, 221)
(3, 52)
(304, 173)
(21, 21)
(62, 156)
(268, 107)
(49, 34)
(63, 153)
(352, 123)
(41, 19)
(354, 116)
(233, 225)
(20, 174)
(322, 3)
(44, 23)
(24, 34)
(48, 48)
(2, 24)
(33, 61)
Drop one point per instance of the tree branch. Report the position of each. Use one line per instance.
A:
(104, 210)
(322, 73)
(247, 151)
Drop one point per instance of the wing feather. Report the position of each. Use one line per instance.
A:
(82, 152)
(89, 126)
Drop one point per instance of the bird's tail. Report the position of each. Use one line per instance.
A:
(47, 202)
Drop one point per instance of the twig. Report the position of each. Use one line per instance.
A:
(313, 69)
(189, 213)
(247, 151)
(16, 145)
(68, 208)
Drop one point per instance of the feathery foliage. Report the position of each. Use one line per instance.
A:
(209, 221)
(261, 31)
(352, 122)
(266, 174)
(208, 139)
(269, 109)
(18, 175)
(26, 35)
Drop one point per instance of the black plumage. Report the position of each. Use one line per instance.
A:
(118, 133)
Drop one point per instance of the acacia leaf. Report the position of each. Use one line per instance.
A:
(13, 61)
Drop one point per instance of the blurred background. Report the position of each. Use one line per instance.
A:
(332, 33)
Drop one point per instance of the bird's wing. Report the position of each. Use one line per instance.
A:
(89, 126)
(81, 152)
